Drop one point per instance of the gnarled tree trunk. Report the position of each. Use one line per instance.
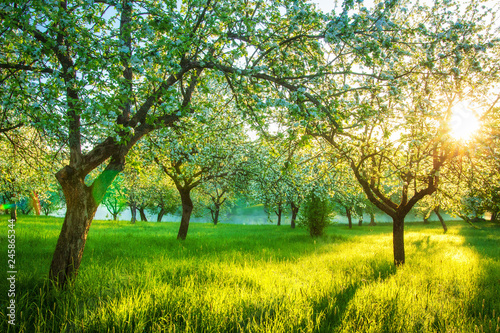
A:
(13, 212)
(81, 204)
(494, 216)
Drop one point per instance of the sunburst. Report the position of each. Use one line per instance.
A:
(464, 123)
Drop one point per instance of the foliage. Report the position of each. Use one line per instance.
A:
(316, 213)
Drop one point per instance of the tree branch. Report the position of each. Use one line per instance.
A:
(4, 130)
(22, 67)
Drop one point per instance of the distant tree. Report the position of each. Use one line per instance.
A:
(115, 199)
(287, 165)
(432, 204)
(200, 153)
(484, 175)
(217, 193)
(164, 200)
(348, 197)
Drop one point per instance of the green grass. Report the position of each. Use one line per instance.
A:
(234, 278)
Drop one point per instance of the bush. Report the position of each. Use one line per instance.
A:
(316, 214)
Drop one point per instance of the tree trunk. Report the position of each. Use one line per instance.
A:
(81, 204)
(13, 212)
(80, 210)
(143, 215)
(494, 216)
(133, 212)
(187, 208)
(398, 240)
(160, 214)
(215, 214)
(426, 220)
(436, 210)
(349, 218)
(115, 217)
(372, 220)
(295, 211)
(26, 211)
(360, 221)
(279, 214)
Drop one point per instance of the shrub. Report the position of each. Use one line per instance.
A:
(316, 214)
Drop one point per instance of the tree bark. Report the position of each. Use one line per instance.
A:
(143, 215)
(187, 209)
(436, 210)
(349, 217)
(295, 211)
(160, 214)
(398, 240)
(80, 210)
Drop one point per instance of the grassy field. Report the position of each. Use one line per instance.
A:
(234, 278)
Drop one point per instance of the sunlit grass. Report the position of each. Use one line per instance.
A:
(233, 278)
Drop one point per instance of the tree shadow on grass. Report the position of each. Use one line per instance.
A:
(258, 244)
(485, 306)
(330, 310)
(424, 246)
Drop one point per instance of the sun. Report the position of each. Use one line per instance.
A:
(463, 123)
